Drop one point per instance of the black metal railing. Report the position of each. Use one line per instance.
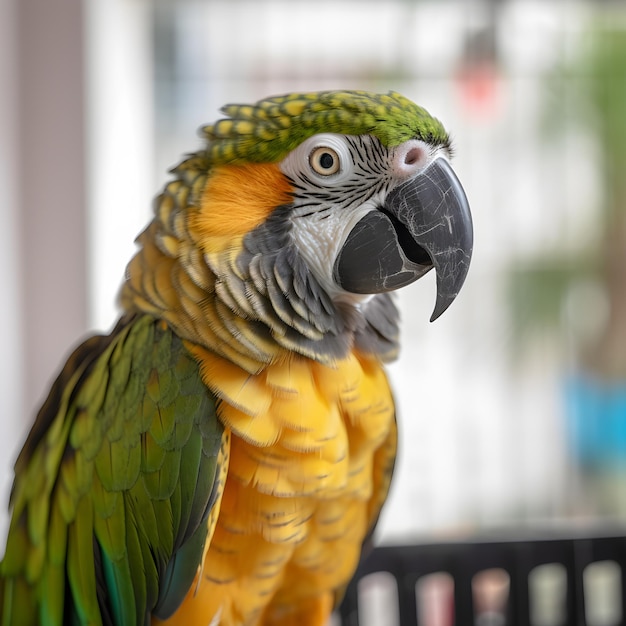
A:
(462, 564)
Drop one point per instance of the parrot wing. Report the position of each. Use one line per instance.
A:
(115, 485)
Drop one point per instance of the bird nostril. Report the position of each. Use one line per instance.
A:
(412, 156)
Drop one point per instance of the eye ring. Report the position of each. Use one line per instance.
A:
(324, 161)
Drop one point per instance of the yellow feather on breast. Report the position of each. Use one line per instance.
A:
(300, 493)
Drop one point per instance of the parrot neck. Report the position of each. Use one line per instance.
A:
(247, 302)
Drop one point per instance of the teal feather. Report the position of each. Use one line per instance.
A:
(179, 574)
(121, 594)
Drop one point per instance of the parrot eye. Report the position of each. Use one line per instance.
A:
(324, 161)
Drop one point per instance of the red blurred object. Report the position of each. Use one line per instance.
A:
(478, 77)
(479, 88)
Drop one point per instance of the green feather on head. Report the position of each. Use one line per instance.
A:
(268, 130)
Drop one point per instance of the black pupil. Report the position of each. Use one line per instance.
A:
(327, 160)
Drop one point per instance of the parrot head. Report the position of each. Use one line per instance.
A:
(308, 209)
(371, 184)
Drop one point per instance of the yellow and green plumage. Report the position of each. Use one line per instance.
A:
(223, 454)
(118, 471)
(268, 130)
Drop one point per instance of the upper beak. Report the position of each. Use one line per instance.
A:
(435, 210)
(425, 223)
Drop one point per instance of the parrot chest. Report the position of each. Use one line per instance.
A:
(301, 483)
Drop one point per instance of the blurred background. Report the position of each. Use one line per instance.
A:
(512, 405)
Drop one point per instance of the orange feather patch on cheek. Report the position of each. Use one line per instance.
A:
(237, 198)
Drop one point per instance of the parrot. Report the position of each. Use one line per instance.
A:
(222, 456)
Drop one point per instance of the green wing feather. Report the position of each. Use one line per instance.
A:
(114, 485)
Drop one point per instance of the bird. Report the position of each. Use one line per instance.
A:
(222, 455)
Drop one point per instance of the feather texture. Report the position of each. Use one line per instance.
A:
(115, 485)
(311, 457)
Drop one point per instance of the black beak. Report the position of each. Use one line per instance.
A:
(425, 223)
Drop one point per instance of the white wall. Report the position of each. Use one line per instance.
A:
(120, 138)
(11, 374)
(42, 240)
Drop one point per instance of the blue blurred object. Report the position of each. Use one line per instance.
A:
(596, 420)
